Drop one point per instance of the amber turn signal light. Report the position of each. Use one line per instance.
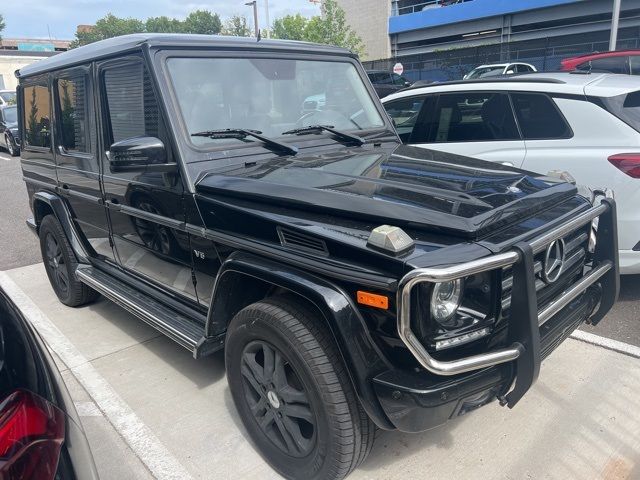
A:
(373, 300)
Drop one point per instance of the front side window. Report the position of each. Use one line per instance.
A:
(404, 113)
(539, 118)
(486, 72)
(268, 95)
(37, 115)
(72, 105)
(131, 104)
(473, 117)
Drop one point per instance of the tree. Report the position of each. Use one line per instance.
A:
(330, 28)
(290, 27)
(237, 26)
(198, 21)
(2, 25)
(204, 22)
(164, 24)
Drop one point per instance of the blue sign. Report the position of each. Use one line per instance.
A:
(36, 47)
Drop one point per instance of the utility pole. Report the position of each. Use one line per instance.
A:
(266, 15)
(615, 19)
(255, 16)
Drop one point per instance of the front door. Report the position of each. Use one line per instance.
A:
(146, 208)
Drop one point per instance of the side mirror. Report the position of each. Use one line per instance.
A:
(139, 154)
(510, 72)
(407, 84)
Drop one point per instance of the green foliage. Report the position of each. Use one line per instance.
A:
(199, 21)
(330, 28)
(237, 26)
(290, 27)
(32, 122)
(2, 24)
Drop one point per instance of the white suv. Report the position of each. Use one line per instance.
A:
(585, 124)
(498, 69)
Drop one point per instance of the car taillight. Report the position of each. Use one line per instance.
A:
(31, 433)
(628, 163)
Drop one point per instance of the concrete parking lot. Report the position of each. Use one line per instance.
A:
(151, 411)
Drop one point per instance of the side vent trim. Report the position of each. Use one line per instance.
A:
(301, 241)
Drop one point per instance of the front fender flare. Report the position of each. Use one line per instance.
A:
(360, 354)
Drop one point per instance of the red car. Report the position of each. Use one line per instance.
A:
(620, 61)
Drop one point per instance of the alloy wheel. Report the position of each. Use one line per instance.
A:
(56, 264)
(278, 399)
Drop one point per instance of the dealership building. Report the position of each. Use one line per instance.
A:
(402, 28)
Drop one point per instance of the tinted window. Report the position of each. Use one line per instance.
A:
(11, 115)
(473, 117)
(131, 103)
(37, 116)
(8, 97)
(398, 80)
(520, 68)
(404, 113)
(539, 118)
(72, 105)
(608, 64)
(626, 107)
(634, 63)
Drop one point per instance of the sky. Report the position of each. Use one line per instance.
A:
(58, 18)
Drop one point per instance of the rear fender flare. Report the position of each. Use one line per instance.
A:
(60, 210)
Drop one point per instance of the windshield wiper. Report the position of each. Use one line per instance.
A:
(328, 128)
(241, 133)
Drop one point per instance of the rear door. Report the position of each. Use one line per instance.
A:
(476, 124)
(76, 156)
(146, 208)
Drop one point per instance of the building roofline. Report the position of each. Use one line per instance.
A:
(112, 46)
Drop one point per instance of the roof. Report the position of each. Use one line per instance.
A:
(614, 53)
(503, 64)
(113, 46)
(596, 84)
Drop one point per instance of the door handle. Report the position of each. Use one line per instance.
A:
(508, 164)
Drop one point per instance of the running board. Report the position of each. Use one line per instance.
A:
(174, 325)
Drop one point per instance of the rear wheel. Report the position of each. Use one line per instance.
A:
(60, 264)
(292, 392)
(11, 147)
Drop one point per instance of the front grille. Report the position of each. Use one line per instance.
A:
(576, 244)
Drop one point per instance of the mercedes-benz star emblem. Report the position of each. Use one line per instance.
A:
(553, 262)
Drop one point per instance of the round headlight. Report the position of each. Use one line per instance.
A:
(445, 300)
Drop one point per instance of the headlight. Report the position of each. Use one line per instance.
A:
(445, 300)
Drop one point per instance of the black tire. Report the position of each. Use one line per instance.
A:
(13, 150)
(60, 264)
(336, 432)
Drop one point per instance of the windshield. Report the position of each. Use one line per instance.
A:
(10, 115)
(8, 97)
(486, 72)
(269, 95)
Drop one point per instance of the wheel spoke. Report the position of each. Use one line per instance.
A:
(62, 276)
(279, 375)
(267, 419)
(249, 359)
(259, 407)
(249, 375)
(270, 357)
(299, 411)
(292, 434)
(291, 395)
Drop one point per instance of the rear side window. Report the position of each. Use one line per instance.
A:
(131, 104)
(608, 64)
(539, 118)
(473, 117)
(634, 64)
(626, 107)
(37, 115)
(74, 118)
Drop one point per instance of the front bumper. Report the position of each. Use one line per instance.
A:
(422, 400)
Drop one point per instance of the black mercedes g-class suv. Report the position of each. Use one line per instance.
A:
(353, 282)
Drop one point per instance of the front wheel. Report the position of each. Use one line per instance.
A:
(13, 150)
(293, 393)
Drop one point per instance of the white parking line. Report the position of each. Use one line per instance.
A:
(607, 343)
(155, 456)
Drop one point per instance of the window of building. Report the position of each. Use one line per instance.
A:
(132, 107)
(37, 115)
(74, 118)
(473, 117)
(539, 118)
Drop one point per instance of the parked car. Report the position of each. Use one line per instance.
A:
(587, 125)
(7, 97)
(499, 69)
(9, 134)
(619, 61)
(41, 437)
(386, 83)
(353, 282)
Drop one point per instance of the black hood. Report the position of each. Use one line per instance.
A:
(404, 186)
